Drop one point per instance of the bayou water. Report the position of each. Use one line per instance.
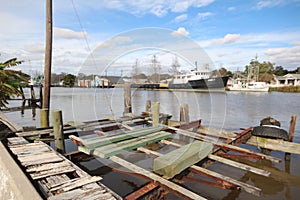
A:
(228, 110)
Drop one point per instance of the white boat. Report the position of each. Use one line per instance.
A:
(252, 86)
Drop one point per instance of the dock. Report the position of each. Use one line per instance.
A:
(192, 149)
(56, 176)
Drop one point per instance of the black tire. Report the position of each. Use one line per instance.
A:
(270, 132)
(269, 121)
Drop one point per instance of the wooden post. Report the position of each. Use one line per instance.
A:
(291, 134)
(44, 118)
(155, 114)
(23, 101)
(41, 96)
(127, 98)
(184, 113)
(32, 96)
(148, 106)
(48, 59)
(58, 131)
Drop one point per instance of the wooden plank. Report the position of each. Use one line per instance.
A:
(224, 145)
(81, 194)
(113, 149)
(39, 168)
(273, 144)
(104, 140)
(16, 141)
(51, 172)
(170, 185)
(216, 132)
(31, 148)
(72, 184)
(228, 162)
(39, 159)
(248, 188)
(56, 180)
(176, 161)
(239, 165)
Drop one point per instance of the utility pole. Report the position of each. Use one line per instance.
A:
(47, 67)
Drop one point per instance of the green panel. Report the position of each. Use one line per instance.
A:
(106, 140)
(178, 160)
(113, 149)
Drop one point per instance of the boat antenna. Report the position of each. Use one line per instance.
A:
(196, 65)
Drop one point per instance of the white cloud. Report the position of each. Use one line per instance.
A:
(180, 32)
(231, 8)
(235, 50)
(227, 39)
(180, 18)
(68, 34)
(273, 3)
(156, 7)
(204, 15)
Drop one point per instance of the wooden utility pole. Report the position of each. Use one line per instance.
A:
(47, 68)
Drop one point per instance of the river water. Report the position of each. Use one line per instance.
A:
(228, 110)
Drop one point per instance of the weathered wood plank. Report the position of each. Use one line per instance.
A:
(45, 167)
(176, 161)
(51, 172)
(113, 149)
(273, 144)
(239, 165)
(216, 132)
(16, 141)
(72, 184)
(55, 180)
(228, 162)
(47, 157)
(31, 148)
(248, 188)
(224, 145)
(183, 191)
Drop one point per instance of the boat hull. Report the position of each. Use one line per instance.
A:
(203, 84)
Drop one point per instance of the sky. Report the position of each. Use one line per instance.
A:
(97, 36)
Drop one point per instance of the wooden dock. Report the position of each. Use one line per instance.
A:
(56, 176)
(166, 167)
(195, 148)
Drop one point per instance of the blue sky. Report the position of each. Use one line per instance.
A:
(231, 32)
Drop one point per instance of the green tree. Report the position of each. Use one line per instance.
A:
(11, 81)
(69, 80)
(279, 71)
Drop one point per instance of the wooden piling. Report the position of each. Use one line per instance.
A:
(291, 134)
(58, 130)
(155, 114)
(184, 113)
(44, 118)
(148, 106)
(32, 95)
(127, 98)
(41, 96)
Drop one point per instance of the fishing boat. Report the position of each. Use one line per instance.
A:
(252, 86)
(197, 79)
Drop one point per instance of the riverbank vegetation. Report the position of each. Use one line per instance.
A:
(285, 89)
(11, 81)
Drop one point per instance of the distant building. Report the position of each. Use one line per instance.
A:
(286, 80)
